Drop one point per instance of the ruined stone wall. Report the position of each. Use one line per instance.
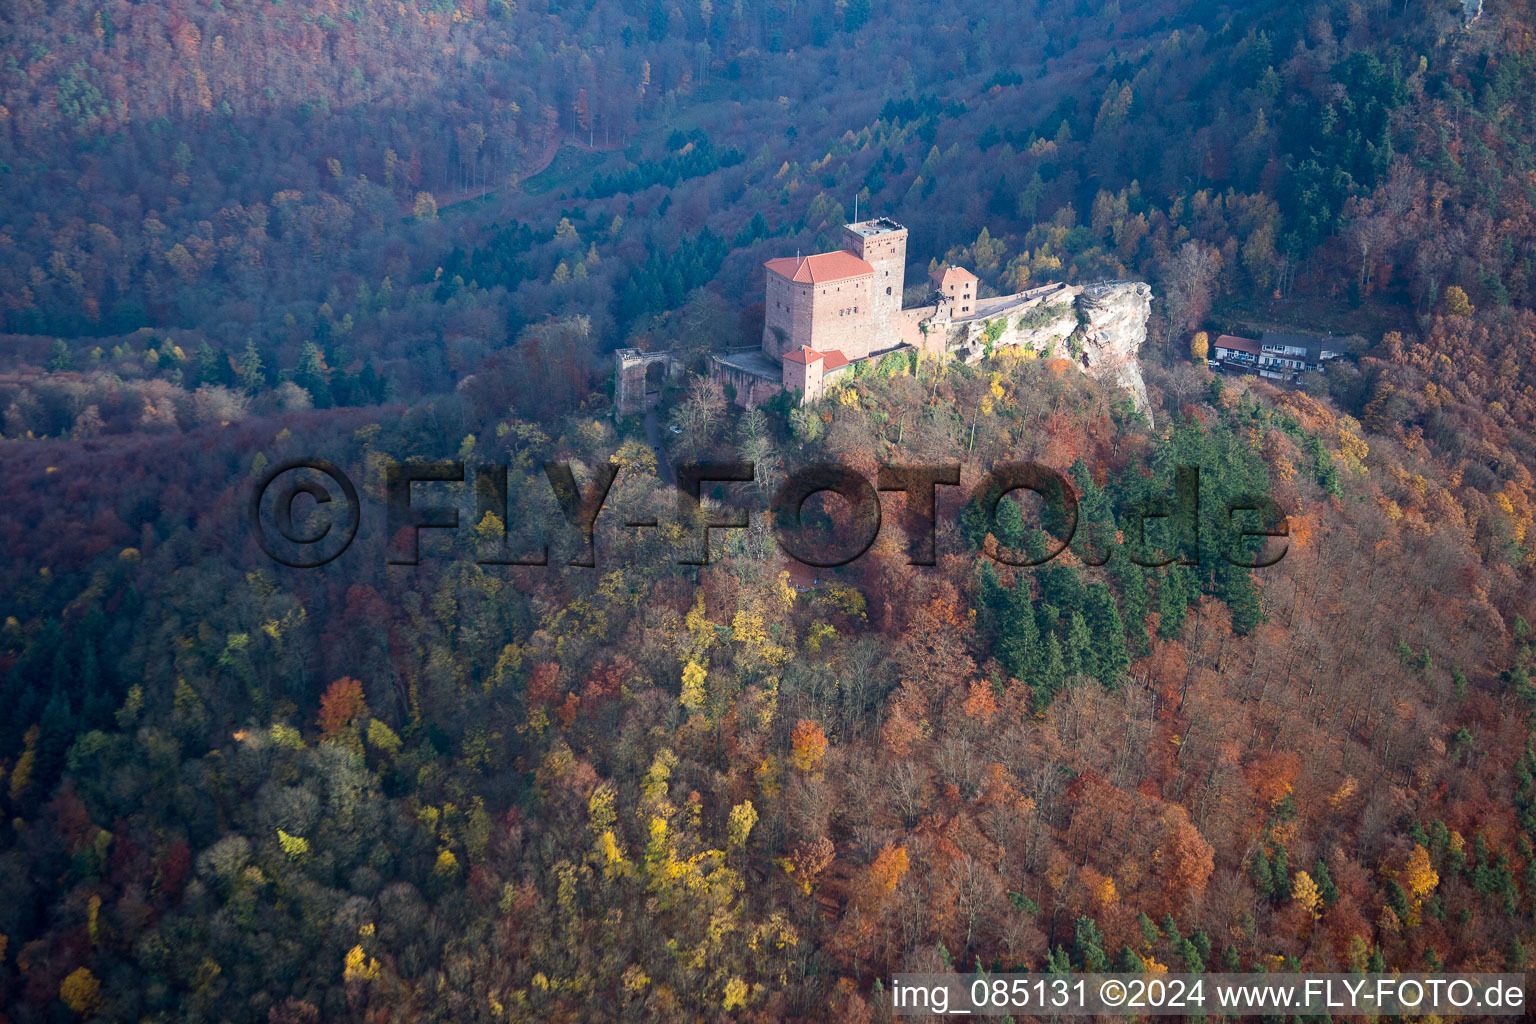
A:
(634, 393)
(911, 330)
(747, 389)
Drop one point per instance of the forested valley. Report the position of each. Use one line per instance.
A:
(238, 232)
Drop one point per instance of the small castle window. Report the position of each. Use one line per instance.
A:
(887, 289)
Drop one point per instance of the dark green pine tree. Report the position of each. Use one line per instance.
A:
(994, 597)
(1108, 632)
(210, 367)
(56, 731)
(1280, 871)
(1234, 585)
(60, 358)
(1263, 878)
(1088, 944)
(1132, 581)
(1061, 585)
(1054, 674)
(1019, 648)
(1094, 540)
(1008, 526)
(1171, 929)
(1078, 650)
(1324, 879)
(1009, 617)
(1194, 963)
(251, 371)
(1175, 592)
(312, 376)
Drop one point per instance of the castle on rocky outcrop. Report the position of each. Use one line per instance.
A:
(827, 312)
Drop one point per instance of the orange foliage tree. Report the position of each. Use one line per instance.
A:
(341, 705)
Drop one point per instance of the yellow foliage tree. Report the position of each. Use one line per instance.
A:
(889, 867)
(1418, 875)
(359, 966)
(1199, 346)
(294, 846)
(1304, 892)
(447, 865)
(21, 775)
(743, 817)
(635, 455)
(735, 994)
(600, 812)
(1456, 301)
(382, 737)
(81, 991)
(693, 694)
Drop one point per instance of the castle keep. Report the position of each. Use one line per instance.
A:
(827, 312)
(846, 301)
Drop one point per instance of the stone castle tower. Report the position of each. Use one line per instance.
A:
(848, 301)
(882, 243)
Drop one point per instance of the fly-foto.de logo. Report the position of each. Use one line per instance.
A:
(304, 513)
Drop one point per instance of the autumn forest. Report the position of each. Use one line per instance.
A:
(235, 233)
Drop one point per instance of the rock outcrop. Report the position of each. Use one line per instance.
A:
(1100, 327)
(1114, 316)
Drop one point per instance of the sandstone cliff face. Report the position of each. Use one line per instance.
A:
(1100, 327)
(1116, 314)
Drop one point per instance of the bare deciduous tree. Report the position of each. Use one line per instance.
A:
(1188, 282)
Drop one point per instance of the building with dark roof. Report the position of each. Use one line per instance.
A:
(1277, 356)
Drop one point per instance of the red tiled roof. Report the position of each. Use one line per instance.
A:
(835, 360)
(802, 355)
(956, 275)
(1236, 344)
(820, 268)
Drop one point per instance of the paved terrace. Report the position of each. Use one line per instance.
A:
(753, 361)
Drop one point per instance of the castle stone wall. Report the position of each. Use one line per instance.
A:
(787, 316)
(746, 389)
(841, 318)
